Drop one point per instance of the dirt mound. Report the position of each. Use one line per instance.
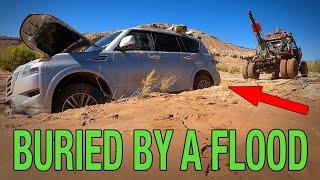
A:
(203, 110)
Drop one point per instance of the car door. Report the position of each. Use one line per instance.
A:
(132, 66)
(190, 58)
(168, 63)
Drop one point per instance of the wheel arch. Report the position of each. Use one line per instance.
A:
(202, 72)
(78, 77)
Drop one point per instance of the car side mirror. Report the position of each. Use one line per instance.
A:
(127, 43)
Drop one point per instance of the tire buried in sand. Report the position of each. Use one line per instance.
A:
(78, 95)
(201, 82)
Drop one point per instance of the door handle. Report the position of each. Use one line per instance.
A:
(154, 57)
(187, 58)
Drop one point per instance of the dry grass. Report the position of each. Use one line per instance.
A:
(234, 70)
(166, 83)
(155, 83)
(149, 82)
(230, 69)
(314, 66)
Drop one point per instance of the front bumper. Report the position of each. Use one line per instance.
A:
(25, 96)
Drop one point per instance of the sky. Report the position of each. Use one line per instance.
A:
(224, 19)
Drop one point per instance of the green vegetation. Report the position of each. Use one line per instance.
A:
(231, 69)
(13, 56)
(234, 70)
(314, 66)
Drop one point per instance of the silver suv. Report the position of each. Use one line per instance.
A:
(76, 72)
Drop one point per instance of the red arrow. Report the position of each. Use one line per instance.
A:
(254, 95)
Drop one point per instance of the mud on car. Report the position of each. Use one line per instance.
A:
(75, 72)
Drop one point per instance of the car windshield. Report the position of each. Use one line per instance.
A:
(105, 41)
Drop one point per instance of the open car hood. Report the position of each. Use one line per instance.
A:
(49, 35)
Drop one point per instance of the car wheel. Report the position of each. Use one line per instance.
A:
(245, 70)
(77, 96)
(253, 72)
(304, 69)
(283, 69)
(292, 68)
(201, 82)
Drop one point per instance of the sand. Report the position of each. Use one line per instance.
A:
(212, 108)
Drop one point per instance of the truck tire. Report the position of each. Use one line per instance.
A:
(292, 68)
(253, 72)
(304, 69)
(201, 82)
(245, 70)
(283, 69)
(275, 75)
(78, 95)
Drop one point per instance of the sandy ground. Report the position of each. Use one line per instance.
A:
(203, 110)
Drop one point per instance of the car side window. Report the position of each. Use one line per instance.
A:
(190, 45)
(165, 42)
(143, 39)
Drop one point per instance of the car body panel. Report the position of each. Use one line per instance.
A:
(122, 71)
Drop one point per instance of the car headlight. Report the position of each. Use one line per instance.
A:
(28, 70)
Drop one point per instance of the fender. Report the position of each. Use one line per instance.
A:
(68, 71)
(196, 70)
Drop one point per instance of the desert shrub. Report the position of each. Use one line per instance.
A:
(13, 56)
(234, 55)
(155, 83)
(234, 70)
(149, 82)
(166, 83)
(231, 69)
(222, 68)
(314, 66)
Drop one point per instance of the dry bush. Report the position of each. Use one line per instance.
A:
(153, 83)
(13, 56)
(149, 82)
(314, 66)
(222, 68)
(234, 70)
(229, 69)
(166, 83)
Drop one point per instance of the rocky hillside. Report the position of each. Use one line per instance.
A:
(8, 41)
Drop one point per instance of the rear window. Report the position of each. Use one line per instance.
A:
(190, 45)
(165, 42)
